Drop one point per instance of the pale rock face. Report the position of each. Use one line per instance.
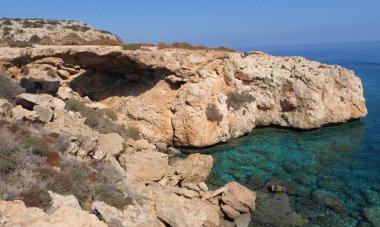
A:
(20, 113)
(15, 213)
(239, 197)
(44, 100)
(179, 211)
(73, 124)
(145, 166)
(108, 145)
(166, 93)
(59, 201)
(195, 168)
(45, 114)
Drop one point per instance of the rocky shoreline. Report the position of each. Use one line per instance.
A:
(130, 109)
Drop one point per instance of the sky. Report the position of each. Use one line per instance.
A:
(232, 23)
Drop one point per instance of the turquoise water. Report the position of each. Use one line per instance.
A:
(332, 174)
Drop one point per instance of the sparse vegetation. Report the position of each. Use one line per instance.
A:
(33, 23)
(237, 100)
(7, 31)
(131, 46)
(96, 119)
(133, 133)
(77, 27)
(7, 22)
(35, 39)
(188, 46)
(9, 88)
(28, 175)
(213, 113)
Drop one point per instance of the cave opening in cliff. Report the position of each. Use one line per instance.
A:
(99, 84)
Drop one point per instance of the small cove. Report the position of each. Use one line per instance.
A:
(331, 174)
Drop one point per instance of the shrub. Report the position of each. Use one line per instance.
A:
(9, 88)
(33, 23)
(7, 22)
(53, 22)
(7, 31)
(96, 118)
(21, 44)
(25, 175)
(35, 39)
(133, 133)
(77, 27)
(112, 196)
(131, 46)
(109, 113)
(188, 46)
(237, 100)
(212, 113)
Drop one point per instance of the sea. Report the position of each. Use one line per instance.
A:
(330, 176)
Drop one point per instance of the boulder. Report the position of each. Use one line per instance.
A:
(230, 212)
(180, 211)
(239, 197)
(107, 213)
(108, 145)
(65, 93)
(19, 113)
(195, 168)
(30, 100)
(45, 114)
(145, 166)
(15, 213)
(58, 201)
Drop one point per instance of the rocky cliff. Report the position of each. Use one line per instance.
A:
(18, 32)
(196, 98)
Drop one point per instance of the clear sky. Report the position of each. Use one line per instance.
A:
(234, 23)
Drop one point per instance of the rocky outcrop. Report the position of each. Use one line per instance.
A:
(205, 97)
(53, 32)
(15, 213)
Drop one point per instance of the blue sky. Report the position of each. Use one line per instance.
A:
(234, 23)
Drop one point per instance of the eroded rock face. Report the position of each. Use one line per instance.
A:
(145, 166)
(195, 168)
(200, 98)
(15, 213)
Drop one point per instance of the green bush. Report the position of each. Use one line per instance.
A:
(213, 113)
(33, 23)
(133, 133)
(35, 39)
(237, 100)
(9, 88)
(112, 196)
(7, 22)
(131, 46)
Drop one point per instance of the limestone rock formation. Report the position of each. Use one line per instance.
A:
(15, 213)
(145, 166)
(195, 97)
(54, 32)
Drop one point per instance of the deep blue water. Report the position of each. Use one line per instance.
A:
(332, 174)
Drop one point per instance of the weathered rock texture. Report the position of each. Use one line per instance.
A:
(197, 98)
(54, 32)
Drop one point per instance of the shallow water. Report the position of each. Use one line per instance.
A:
(332, 175)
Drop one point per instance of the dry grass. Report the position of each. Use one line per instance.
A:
(28, 164)
(9, 88)
(188, 46)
